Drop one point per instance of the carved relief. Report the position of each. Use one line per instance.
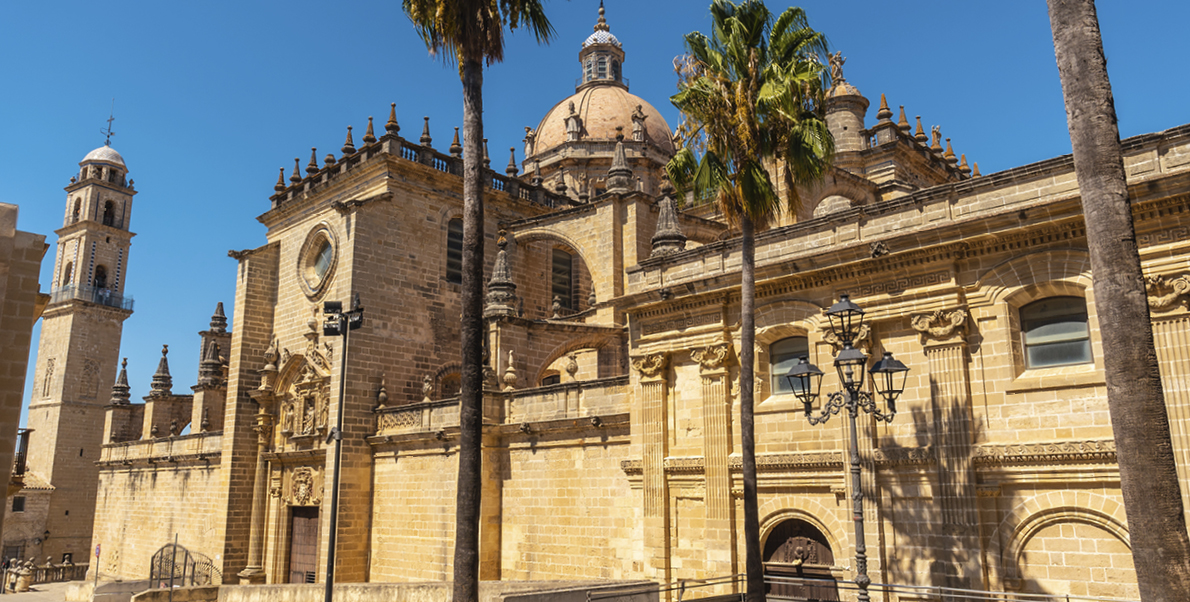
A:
(1103, 450)
(304, 489)
(862, 340)
(1167, 292)
(941, 324)
(651, 366)
(90, 381)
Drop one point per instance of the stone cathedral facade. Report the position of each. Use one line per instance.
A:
(611, 444)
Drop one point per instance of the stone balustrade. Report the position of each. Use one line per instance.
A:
(200, 447)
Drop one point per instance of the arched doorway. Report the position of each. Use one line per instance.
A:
(797, 550)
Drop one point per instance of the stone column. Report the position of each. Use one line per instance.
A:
(944, 339)
(653, 387)
(1168, 298)
(714, 361)
(254, 573)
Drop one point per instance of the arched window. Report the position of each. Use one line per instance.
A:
(552, 379)
(1054, 332)
(601, 70)
(562, 279)
(67, 272)
(78, 209)
(449, 384)
(615, 70)
(590, 69)
(109, 214)
(783, 355)
(454, 251)
(100, 280)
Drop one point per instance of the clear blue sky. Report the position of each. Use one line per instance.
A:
(212, 97)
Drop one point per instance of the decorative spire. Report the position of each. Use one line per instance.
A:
(162, 382)
(349, 144)
(391, 126)
(329, 161)
(280, 186)
(218, 320)
(619, 177)
(601, 24)
(975, 170)
(120, 390)
(456, 149)
(511, 170)
(425, 133)
(920, 134)
(963, 167)
(296, 177)
(884, 114)
(949, 154)
(487, 163)
(369, 137)
(668, 238)
(501, 297)
(902, 122)
(312, 166)
(210, 369)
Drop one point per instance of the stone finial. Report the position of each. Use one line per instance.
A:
(391, 126)
(592, 299)
(280, 186)
(963, 167)
(312, 166)
(205, 425)
(487, 162)
(501, 297)
(902, 122)
(560, 185)
(296, 177)
(369, 136)
(425, 133)
(329, 160)
(348, 144)
(601, 24)
(975, 170)
(949, 154)
(153, 432)
(511, 170)
(510, 373)
(572, 366)
(456, 149)
(668, 238)
(210, 369)
(920, 134)
(884, 114)
(173, 427)
(619, 177)
(556, 308)
(120, 390)
(427, 388)
(218, 319)
(162, 384)
(382, 395)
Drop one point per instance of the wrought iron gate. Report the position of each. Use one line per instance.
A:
(175, 566)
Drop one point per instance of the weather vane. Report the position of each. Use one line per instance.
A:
(109, 133)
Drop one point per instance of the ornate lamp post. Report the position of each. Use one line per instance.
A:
(338, 323)
(888, 376)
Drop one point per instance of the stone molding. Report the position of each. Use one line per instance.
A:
(904, 456)
(1167, 292)
(1100, 451)
(942, 326)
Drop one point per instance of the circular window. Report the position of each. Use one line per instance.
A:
(316, 262)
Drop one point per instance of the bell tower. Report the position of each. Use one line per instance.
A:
(77, 353)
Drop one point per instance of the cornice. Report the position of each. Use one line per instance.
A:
(1054, 452)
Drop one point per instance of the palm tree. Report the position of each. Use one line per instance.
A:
(468, 33)
(1135, 400)
(751, 94)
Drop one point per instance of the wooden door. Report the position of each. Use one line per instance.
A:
(303, 545)
(797, 550)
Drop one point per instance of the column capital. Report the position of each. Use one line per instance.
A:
(942, 327)
(651, 366)
(714, 358)
(1167, 292)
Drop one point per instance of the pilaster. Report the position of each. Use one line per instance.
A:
(1168, 298)
(714, 362)
(654, 385)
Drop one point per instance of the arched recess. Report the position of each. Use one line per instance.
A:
(1008, 540)
(784, 507)
(1003, 279)
(303, 397)
(601, 278)
(447, 381)
(595, 342)
(798, 561)
(777, 319)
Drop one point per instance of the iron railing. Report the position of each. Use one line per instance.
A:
(98, 295)
(175, 566)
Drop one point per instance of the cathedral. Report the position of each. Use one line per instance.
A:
(611, 437)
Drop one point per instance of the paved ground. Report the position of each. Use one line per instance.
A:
(42, 592)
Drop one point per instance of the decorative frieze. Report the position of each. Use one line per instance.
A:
(681, 323)
(904, 456)
(1102, 451)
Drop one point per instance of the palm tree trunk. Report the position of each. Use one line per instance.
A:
(467, 508)
(1136, 403)
(753, 567)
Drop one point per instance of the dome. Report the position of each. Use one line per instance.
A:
(106, 154)
(602, 37)
(602, 108)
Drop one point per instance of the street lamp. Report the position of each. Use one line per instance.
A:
(338, 323)
(888, 377)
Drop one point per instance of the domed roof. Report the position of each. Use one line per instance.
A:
(104, 153)
(602, 108)
(602, 37)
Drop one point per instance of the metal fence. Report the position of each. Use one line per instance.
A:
(102, 296)
(175, 566)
